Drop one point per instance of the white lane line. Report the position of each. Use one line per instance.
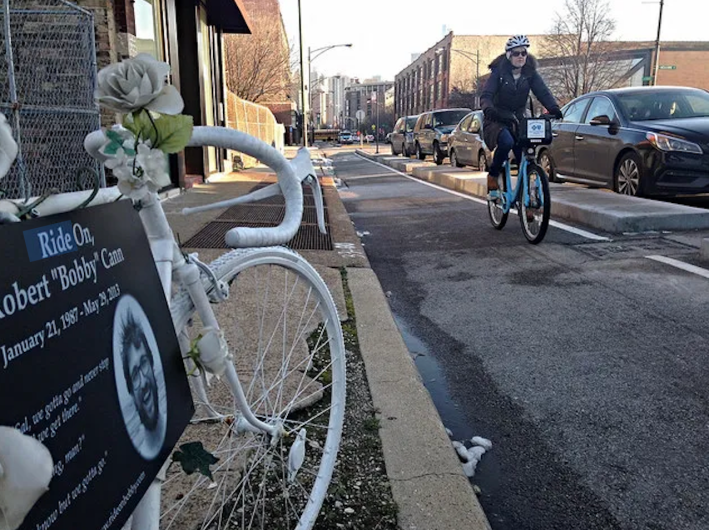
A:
(555, 224)
(361, 177)
(681, 265)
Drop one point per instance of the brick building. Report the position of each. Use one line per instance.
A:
(358, 96)
(632, 64)
(456, 62)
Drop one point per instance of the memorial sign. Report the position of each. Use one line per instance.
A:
(89, 361)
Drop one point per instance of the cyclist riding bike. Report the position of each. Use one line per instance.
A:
(503, 100)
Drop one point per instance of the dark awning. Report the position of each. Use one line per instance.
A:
(228, 16)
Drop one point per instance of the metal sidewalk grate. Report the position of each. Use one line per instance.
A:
(265, 213)
(308, 236)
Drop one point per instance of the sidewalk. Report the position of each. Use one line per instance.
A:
(426, 477)
(594, 208)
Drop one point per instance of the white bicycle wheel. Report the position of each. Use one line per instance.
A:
(284, 333)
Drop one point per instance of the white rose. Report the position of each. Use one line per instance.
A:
(8, 146)
(138, 83)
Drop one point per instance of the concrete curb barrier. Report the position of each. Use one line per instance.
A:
(594, 208)
(426, 477)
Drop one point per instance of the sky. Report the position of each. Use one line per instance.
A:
(384, 33)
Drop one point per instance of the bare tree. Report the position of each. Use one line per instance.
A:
(582, 50)
(258, 65)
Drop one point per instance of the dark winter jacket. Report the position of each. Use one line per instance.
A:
(508, 97)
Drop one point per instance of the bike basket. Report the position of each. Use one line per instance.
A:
(535, 131)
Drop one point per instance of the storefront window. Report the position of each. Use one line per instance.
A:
(148, 28)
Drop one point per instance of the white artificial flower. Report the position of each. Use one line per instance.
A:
(8, 146)
(132, 187)
(128, 183)
(138, 83)
(153, 163)
(118, 161)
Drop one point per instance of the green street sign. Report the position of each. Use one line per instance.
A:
(647, 78)
(667, 67)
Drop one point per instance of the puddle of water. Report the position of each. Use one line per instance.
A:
(487, 472)
(435, 382)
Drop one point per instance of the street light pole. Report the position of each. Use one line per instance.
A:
(302, 79)
(657, 45)
(477, 69)
(310, 60)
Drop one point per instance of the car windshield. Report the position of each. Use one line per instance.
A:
(665, 104)
(448, 118)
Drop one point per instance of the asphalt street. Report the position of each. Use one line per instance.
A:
(582, 360)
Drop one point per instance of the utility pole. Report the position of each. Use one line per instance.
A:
(376, 133)
(657, 46)
(477, 79)
(302, 78)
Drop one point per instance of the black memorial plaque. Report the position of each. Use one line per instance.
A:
(89, 361)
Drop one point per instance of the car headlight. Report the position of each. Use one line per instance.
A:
(444, 138)
(669, 143)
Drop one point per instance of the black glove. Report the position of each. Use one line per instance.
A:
(507, 117)
(491, 113)
(556, 112)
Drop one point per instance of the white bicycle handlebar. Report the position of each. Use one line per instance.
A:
(290, 176)
(289, 184)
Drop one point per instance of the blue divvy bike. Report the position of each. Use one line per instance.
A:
(531, 191)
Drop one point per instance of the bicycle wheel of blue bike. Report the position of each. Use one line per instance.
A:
(495, 209)
(283, 331)
(535, 217)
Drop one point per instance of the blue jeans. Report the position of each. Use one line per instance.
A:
(505, 143)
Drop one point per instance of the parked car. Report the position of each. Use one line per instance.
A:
(345, 137)
(636, 141)
(402, 139)
(369, 138)
(466, 146)
(432, 130)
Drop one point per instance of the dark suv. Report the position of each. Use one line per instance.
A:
(432, 130)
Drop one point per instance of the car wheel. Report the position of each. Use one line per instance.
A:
(482, 161)
(628, 176)
(547, 164)
(454, 159)
(419, 153)
(438, 156)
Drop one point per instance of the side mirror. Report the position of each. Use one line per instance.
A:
(601, 120)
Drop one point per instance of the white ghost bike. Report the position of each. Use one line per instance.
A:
(274, 414)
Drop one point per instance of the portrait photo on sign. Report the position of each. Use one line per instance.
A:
(140, 380)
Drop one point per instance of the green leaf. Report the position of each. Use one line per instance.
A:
(173, 132)
(111, 148)
(114, 137)
(194, 457)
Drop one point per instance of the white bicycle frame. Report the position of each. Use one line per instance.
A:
(169, 259)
